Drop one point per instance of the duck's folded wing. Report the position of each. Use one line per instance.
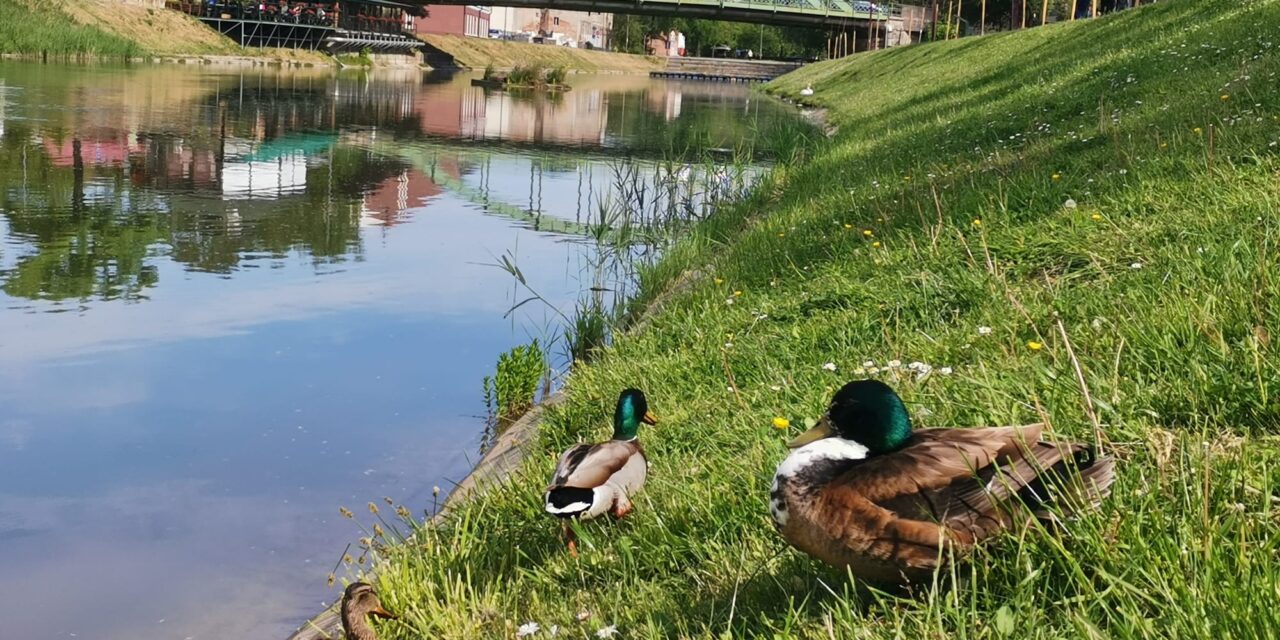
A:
(569, 460)
(908, 504)
(597, 464)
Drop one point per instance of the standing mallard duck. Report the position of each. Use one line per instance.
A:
(863, 491)
(360, 601)
(591, 479)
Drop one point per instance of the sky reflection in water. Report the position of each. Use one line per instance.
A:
(232, 301)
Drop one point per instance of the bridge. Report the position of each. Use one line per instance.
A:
(796, 13)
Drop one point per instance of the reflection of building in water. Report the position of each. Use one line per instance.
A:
(107, 149)
(446, 114)
(664, 102)
(388, 202)
(265, 179)
(576, 117)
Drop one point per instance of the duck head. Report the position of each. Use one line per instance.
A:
(631, 411)
(864, 411)
(360, 601)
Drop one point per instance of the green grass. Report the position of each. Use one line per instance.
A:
(24, 29)
(1163, 278)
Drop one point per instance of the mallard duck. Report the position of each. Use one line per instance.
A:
(862, 490)
(591, 479)
(360, 601)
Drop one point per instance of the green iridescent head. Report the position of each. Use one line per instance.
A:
(632, 410)
(867, 412)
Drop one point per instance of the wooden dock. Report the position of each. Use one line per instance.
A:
(724, 69)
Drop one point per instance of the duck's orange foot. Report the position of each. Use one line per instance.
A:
(621, 511)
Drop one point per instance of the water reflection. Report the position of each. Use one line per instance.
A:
(230, 302)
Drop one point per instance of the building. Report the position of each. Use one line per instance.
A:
(458, 20)
(584, 29)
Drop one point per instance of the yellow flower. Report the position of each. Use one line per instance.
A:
(781, 235)
(1196, 130)
(977, 222)
(1056, 176)
(876, 244)
(1164, 145)
(373, 508)
(867, 233)
(906, 178)
(848, 226)
(1034, 346)
(781, 423)
(1225, 97)
(719, 280)
(737, 293)
(1096, 216)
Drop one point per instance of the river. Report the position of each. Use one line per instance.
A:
(234, 299)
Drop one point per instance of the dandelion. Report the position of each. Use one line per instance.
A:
(1069, 204)
(830, 366)
(607, 632)
(373, 508)
(1224, 97)
(848, 226)
(984, 331)
(867, 233)
(435, 491)
(876, 244)
(781, 423)
(527, 629)
(1164, 145)
(1197, 130)
(1055, 177)
(346, 513)
(1096, 216)
(719, 280)
(977, 222)
(737, 294)
(1034, 346)
(906, 178)
(781, 234)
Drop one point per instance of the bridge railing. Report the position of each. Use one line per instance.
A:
(912, 16)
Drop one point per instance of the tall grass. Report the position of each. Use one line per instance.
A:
(32, 28)
(1002, 225)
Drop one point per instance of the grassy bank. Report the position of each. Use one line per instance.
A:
(1002, 209)
(113, 30)
(477, 53)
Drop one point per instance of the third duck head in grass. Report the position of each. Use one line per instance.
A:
(592, 479)
(863, 490)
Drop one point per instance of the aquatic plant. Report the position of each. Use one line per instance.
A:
(556, 75)
(514, 387)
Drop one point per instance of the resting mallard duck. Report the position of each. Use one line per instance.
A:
(360, 601)
(863, 491)
(592, 479)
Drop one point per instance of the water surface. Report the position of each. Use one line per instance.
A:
(231, 301)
